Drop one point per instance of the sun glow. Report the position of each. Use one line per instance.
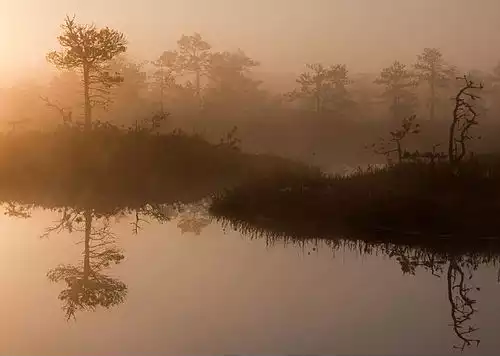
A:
(7, 45)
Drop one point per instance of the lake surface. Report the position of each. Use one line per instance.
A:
(191, 286)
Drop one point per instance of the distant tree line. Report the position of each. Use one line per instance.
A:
(98, 81)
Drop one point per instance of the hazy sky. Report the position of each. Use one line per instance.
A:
(282, 34)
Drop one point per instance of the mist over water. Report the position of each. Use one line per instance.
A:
(137, 140)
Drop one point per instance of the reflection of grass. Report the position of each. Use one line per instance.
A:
(112, 167)
(455, 265)
(414, 202)
(422, 216)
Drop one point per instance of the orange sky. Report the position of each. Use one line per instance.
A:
(282, 34)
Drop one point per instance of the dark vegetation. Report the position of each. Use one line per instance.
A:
(433, 205)
(430, 187)
(324, 115)
(118, 168)
(87, 163)
(411, 202)
(425, 199)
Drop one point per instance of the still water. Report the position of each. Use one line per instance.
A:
(187, 285)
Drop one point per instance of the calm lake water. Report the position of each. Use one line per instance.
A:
(190, 286)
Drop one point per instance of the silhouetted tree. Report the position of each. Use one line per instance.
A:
(322, 84)
(432, 68)
(395, 143)
(464, 117)
(165, 73)
(340, 80)
(65, 113)
(63, 95)
(88, 49)
(194, 57)
(398, 80)
(229, 84)
(130, 100)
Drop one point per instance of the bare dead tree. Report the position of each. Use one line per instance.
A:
(66, 113)
(464, 118)
(459, 275)
(395, 143)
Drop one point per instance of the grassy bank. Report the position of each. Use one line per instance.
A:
(414, 203)
(112, 167)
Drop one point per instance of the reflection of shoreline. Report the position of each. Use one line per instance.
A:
(458, 267)
(87, 285)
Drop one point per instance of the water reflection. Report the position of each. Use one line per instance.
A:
(87, 287)
(194, 217)
(445, 261)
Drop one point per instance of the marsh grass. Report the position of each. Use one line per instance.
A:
(111, 167)
(416, 203)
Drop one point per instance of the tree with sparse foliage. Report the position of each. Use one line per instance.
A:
(229, 83)
(165, 74)
(322, 84)
(89, 49)
(432, 68)
(194, 57)
(129, 99)
(340, 80)
(394, 144)
(398, 81)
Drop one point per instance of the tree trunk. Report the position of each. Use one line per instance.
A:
(433, 97)
(198, 86)
(162, 89)
(86, 256)
(86, 93)
(451, 142)
(395, 107)
(318, 103)
(400, 151)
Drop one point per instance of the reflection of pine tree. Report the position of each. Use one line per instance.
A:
(87, 287)
(194, 218)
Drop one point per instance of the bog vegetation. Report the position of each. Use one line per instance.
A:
(112, 128)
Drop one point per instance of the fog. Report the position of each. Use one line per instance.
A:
(281, 34)
(364, 36)
(365, 128)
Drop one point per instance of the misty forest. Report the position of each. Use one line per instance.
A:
(402, 163)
